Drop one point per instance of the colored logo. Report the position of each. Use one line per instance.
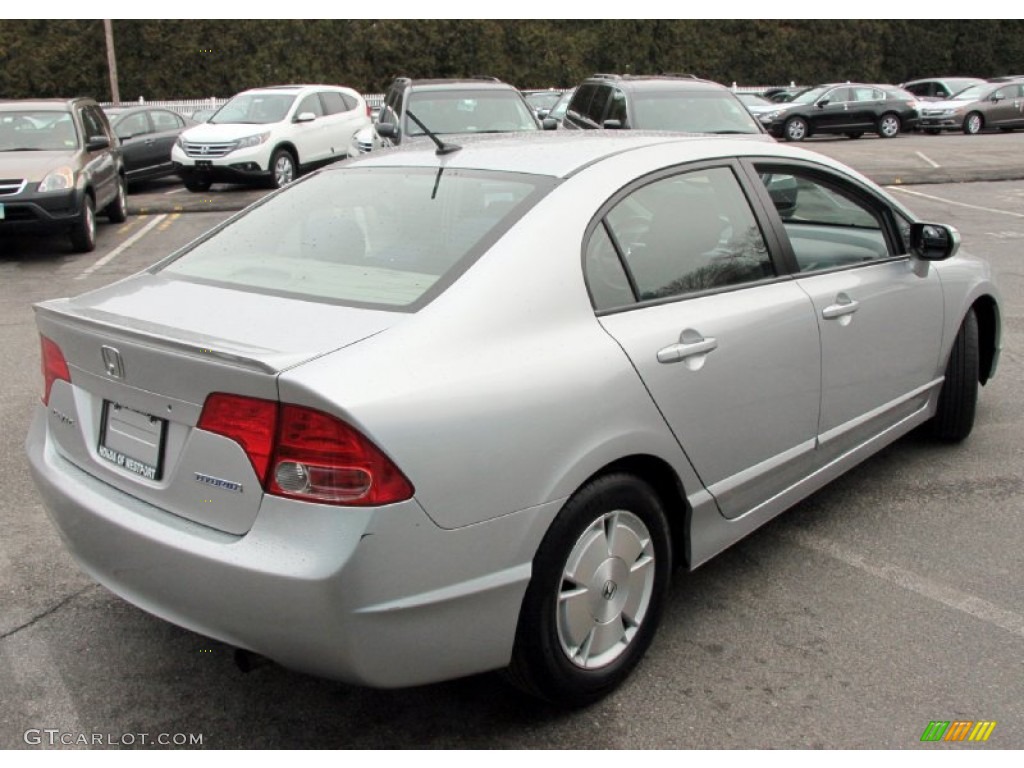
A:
(958, 730)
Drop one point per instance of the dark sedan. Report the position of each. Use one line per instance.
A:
(852, 109)
(147, 135)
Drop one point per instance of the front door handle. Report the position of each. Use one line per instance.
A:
(690, 345)
(844, 306)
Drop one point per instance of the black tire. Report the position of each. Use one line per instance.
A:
(973, 123)
(197, 183)
(932, 131)
(954, 417)
(619, 598)
(117, 211)
(83, 232)
(889, 125)
(796, 129)
(284, 168)
(854, 134)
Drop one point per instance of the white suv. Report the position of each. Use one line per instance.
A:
(270, 135)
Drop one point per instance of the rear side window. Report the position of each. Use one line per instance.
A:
(391, 238)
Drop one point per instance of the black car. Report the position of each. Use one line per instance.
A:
(147, 136)
(60, 164)
(658, 103)
(473, 105)
(852, 109)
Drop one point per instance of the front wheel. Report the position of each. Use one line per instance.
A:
(954, 417)
(600, 577)
(973, 123)
(889, 126)
(283, 168)
(795, 129)
(197, 183)
(83, 232)
(117, 211)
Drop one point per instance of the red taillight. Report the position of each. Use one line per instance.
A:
(246, 420)
(305, 454)
(369, 111)
(54, 366)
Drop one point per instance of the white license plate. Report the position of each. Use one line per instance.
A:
(132, 440)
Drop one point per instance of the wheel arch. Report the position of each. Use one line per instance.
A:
(667, 485)
(290, 146)
(987, 312)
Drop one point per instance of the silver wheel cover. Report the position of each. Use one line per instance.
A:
(890, 126)
(796, 130)
(606, 589)
(284, 170)
(90, 222)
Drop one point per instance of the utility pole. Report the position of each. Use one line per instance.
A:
(115, 93)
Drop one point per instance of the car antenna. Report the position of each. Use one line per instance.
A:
(442, 147)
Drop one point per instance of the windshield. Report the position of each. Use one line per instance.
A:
(558, 111)
(37, 130)
(811, 95)
(691, 112)
(255, 108)
(390, 238)
(974, 93)
(463, 111)
(542, 100)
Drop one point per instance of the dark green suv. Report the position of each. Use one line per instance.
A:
(60, 164)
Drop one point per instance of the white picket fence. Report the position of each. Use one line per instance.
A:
(188, 107)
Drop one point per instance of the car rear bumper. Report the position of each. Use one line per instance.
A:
(379, 597)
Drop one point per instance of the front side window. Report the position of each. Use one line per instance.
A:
(388, 238)
(311, 104)
(828, 225)
(93, 123)
(689, 233)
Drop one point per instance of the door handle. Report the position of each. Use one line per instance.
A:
(686, 347)
(844, 306)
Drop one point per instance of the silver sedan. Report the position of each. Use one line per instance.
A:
(426, 414)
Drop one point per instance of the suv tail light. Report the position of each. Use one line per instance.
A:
(302, 453)
(54, 366)
(369, 111)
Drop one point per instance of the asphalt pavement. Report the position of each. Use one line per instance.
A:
(911, 159)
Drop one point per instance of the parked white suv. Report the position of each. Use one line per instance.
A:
(269, 135)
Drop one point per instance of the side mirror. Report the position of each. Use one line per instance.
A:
(549, 124)
(96, 143)
(822, 103)
(611, 124)
(542, 113)
(387, 130)
(933, 242)
(305, 117)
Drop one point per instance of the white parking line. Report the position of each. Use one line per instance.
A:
(121, 248)
(940, 593)
(928, 160)
(906, 191)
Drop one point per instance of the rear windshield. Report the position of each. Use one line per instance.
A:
(389, 238)
(692, 112)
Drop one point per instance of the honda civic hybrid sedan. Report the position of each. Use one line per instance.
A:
(426, 414)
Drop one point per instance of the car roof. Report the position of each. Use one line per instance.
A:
(459, 84)
(563, 153)
(657, 82)
(40, 104)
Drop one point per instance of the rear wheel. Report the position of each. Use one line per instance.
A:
(594, 601)
(973, 123)
(83, 232)
(889, 125)
(954, 417)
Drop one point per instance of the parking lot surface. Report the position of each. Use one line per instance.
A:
(888, 600)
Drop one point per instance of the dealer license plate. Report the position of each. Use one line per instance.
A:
(132, 440)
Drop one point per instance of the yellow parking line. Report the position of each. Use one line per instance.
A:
(170, 220)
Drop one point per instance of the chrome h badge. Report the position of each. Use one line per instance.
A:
(112, 362)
